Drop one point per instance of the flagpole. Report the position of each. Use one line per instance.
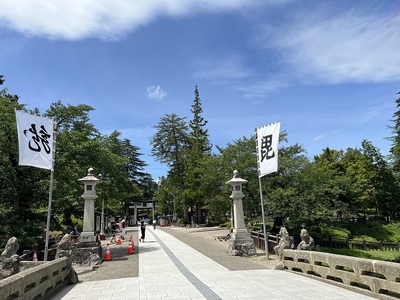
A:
(46, 246)
(261, 197)
(263, 219)
(267, 149)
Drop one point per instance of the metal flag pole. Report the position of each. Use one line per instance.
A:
(262, 200)
(269, 149)
(46, 246)
(263, 219)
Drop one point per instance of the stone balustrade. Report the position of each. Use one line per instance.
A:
(376, 278)
(38, 280)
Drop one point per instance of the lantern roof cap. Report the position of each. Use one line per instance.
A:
(89, 177)
(236, 179)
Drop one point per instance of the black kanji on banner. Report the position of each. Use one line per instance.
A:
(38, 139)
(267, 152)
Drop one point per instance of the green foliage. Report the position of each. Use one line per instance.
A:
(335, 232)
(393, 229)
(392, 256)
(323, 193)
(226, 224)
(24, 190)
(395, 138)
(195, 154)
(374, 230)
(315, 230)
(363, 238)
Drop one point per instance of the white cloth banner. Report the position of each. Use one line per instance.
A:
(35, 139)
(267, 139)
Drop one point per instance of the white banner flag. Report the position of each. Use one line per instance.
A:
(35, 137)
(267, 139)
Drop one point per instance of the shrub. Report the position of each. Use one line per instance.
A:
(335, 232)
(182, 222)
(315, 230)
(363, 238)
(227, 224)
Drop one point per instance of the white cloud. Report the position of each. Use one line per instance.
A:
(222, 69)
(104, 19)
(348, 47)
(156, 92)
(382, 111)
(317, 138)
(258, 89)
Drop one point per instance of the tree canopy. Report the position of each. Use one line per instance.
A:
(336, 184)
(79, 146)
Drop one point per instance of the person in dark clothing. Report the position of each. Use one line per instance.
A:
(143, 231)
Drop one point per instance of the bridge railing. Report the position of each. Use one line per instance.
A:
(37, 279)
(365, 275)
(259, 240)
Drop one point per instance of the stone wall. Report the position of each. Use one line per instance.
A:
(376, 278)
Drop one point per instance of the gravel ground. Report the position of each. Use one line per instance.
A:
(203, 239)
(121, 265)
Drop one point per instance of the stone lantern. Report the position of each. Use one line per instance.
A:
(88, 247)
(89, 194)
(240, 242)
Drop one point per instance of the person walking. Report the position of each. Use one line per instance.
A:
(123, 228)
(143, 231)
(154, 224)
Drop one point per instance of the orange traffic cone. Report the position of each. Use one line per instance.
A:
(107, 256)
(130, 248)
(118, 240)
(34, 258)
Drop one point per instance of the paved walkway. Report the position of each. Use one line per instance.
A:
(171, 270)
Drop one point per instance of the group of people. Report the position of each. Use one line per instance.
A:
(119, 228)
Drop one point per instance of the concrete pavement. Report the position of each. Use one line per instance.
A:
(171, 270)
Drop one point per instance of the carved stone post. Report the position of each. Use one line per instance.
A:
(240, 242)
(89, 249)
(89, 194)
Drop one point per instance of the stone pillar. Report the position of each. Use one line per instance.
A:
(240, 242)
(89, 194)
(89, 249)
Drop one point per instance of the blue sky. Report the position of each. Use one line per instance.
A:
(328, 70)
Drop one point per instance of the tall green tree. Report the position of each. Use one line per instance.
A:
(198, 149)
(383, 184)
(118, 167)
(217, 203)
(77, 149)
(81, 146)
(241, 155)
(23, 189)
(395, 138)
(168, 147)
